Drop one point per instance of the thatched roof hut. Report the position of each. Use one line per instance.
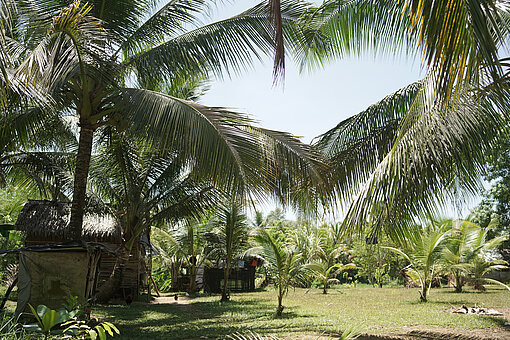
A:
(49, 221)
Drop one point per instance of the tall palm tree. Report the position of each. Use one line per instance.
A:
(430, 137)
(230, 238)
(102, 60)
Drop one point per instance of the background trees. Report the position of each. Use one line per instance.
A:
(494, 208)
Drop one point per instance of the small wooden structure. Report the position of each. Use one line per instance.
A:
(241, 278)
(47, 222)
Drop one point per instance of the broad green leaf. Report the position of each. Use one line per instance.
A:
(107, 328)
(100, 332)
(50, 319)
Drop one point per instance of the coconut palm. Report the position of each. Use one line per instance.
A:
(460, 250)
(424, 253)
(466, 255)
(184, 245)
(327, 273)
(143, 187)
(479, 268)
(103, 60)
(306, 239)
(326, 261)
(230, 238)
(431, 136)
(284, 263)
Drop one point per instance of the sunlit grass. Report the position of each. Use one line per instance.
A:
(372, 310)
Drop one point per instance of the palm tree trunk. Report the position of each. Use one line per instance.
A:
(192, 277)
(325, 287)
(80, 180)
(226, 274)
(174, 272)
(458, 283)
(424, 291)
(110, 287)
(279, 310)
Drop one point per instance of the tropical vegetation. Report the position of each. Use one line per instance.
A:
(99, 107)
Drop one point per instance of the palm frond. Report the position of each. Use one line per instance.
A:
(358, 144)
(455, 37)
(434, 152)
(226, 148)
(169, 20)
(225, 47)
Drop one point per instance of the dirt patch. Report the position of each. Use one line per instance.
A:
(427, 333)
(181, 302)
(170, 300)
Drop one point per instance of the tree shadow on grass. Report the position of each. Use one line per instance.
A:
(441, 303)
(198, 319)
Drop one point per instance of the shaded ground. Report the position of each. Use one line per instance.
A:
(389, 313)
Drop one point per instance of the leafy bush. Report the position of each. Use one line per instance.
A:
(65, 322)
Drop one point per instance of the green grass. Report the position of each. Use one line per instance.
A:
(371, 310)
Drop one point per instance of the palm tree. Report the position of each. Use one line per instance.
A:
(144, 187)
(327, 273)
(283, 261)
(185, 245)
(325, 262)
(479, 268)
(102, 61)
(230, 238)
(466, 252)
(424, 253)
(460, 250)
(430, 137)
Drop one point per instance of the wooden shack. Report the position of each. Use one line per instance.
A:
(241, 278)
(47, 222)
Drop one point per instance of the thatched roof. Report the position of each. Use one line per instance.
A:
(49, 221)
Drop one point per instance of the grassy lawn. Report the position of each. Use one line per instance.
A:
(371, 310)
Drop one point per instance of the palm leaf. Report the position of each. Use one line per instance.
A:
(225, 47)
(226, 148)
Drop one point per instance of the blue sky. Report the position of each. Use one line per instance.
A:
(311, 103)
